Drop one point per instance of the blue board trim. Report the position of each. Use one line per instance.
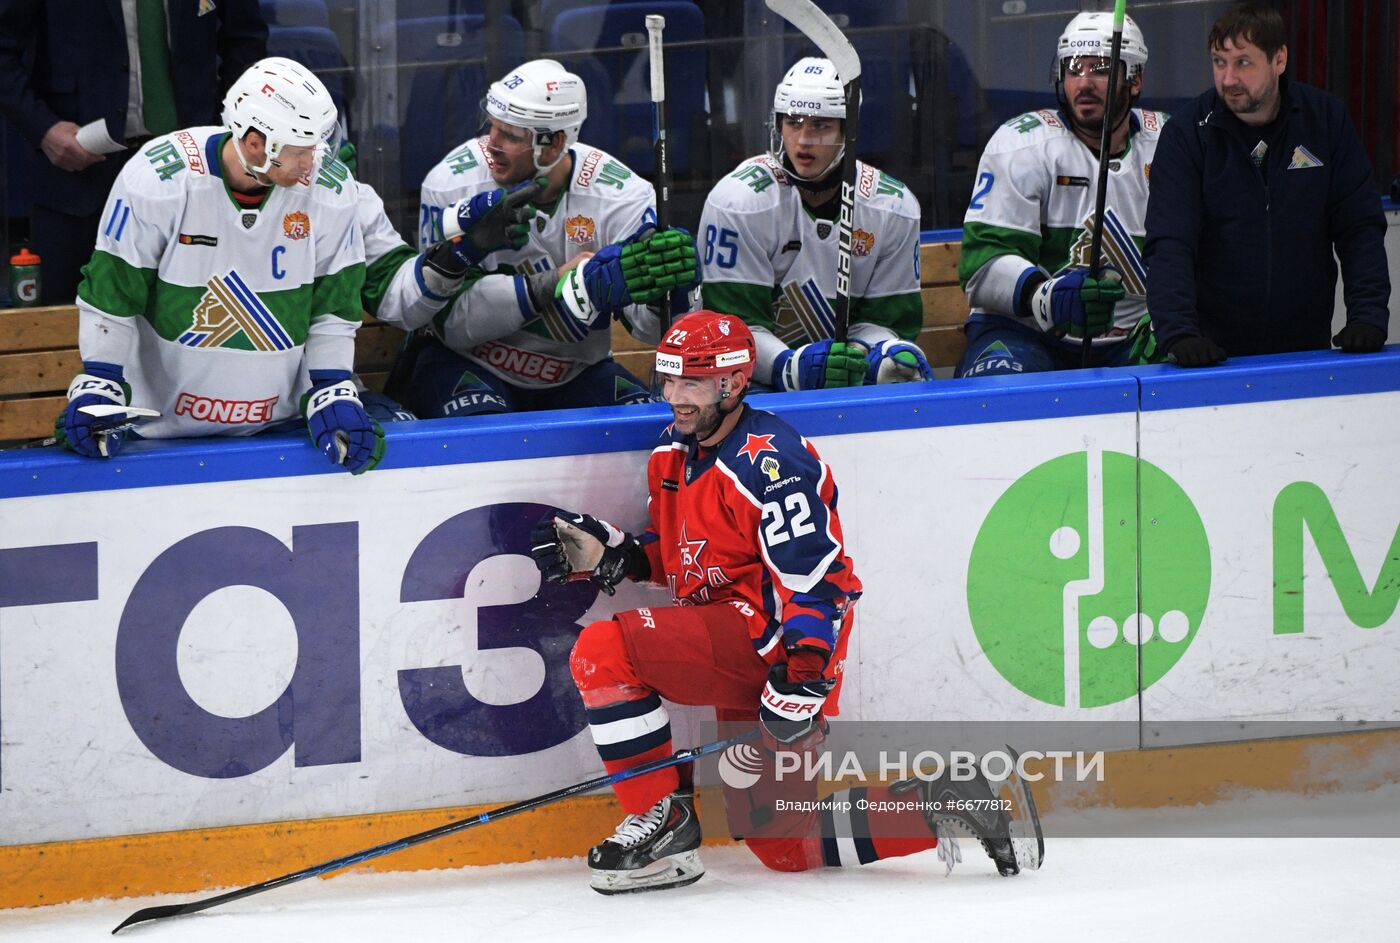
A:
(1270, 379)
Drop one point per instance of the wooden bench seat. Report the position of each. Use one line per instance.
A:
(39, 348)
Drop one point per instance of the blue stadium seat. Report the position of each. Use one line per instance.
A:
(316, 48)
(295, 13)
(421, 9)
(885, 114)
(1017, 74)
(443, 75)
(619, 83)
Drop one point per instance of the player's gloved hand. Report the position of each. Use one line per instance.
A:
(1076, 303)
(475, 227)
(92, 436)
(822, 365)
(638, 271)
(338, 423)
(1195, 351)
(897, 362)
(569, 546)
(790, 708)
(1360, 338)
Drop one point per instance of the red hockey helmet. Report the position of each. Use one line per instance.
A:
(706, 343)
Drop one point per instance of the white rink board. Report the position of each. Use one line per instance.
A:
(997, 544)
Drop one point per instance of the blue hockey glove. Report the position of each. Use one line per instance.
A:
(897, 362)
(1075, 303)
(339, 425)
(821, 365)
(475, 227)
(93, 436)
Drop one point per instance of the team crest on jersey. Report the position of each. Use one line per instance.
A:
(1119, 251)
(862, 243)
(691, 564)
(580, 230)
(756, 445)
(229, 308)
(541, 222)
(248, 219)
(296, 225)
(803, 314)
(823, 229)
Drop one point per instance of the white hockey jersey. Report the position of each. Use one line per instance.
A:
(1032, 208)
(394, 290)
(768, 260)
(491, 323)
(216, 311)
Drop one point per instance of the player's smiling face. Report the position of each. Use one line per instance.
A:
(694, 403)
(811, 143)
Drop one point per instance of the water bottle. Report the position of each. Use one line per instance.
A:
(24, 279)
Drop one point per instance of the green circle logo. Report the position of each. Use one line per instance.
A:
(1087, 585)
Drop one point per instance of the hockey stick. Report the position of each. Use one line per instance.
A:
(345, 861)
(1120, 9)
(134, 416)
(655, 25)
(817, 27)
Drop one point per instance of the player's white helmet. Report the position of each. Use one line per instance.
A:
(811, 87)
(543, 98)
(284, 101)
(1091, 34)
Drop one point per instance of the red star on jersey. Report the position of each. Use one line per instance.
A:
(756, 445)
(690, 556)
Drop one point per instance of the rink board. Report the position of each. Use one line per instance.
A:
(230, 633)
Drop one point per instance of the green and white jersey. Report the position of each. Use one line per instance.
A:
(216, 312)
(394, 290)
(491, 323)
(768, 260)
(1033, 208)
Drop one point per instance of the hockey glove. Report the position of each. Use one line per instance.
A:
(897, 362)
(87, 434)
(790, 709)
(339, 425)
(638, 271)
(821, 365)
(1195, 351)
(474, 228)
(1075, 303)
(568, 546)
(1360, 338)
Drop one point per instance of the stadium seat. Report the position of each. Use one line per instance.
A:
(443, 75)
(296, 13)
(619, 81)
(316, 48)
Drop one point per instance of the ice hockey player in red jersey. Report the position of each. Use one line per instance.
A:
(744, 532)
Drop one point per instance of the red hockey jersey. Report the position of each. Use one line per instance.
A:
(753, 523)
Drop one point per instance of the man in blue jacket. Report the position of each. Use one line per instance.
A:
(1253, 186)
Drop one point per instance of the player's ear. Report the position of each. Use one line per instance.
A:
(254, 143)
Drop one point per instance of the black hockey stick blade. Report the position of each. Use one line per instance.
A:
(165, 911)
(1027, 839)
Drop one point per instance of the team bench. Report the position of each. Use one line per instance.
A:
(39, 348)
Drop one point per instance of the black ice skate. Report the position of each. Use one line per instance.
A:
(972, 806)
(652, 851)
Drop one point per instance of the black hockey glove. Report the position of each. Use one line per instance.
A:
(1360, 338)
(568, 546)
(790, 709)
(1195, 351)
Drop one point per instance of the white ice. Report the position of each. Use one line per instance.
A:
(1090, 889)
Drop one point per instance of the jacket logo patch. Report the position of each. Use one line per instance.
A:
(580, 230)
(296, 225)
(1063, 181)
(862, 243)
(229, 308)
(1303, 159)
(188, 239)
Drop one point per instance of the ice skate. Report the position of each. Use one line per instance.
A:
(652, 851)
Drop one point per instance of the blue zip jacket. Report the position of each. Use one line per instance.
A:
(1245, 257)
